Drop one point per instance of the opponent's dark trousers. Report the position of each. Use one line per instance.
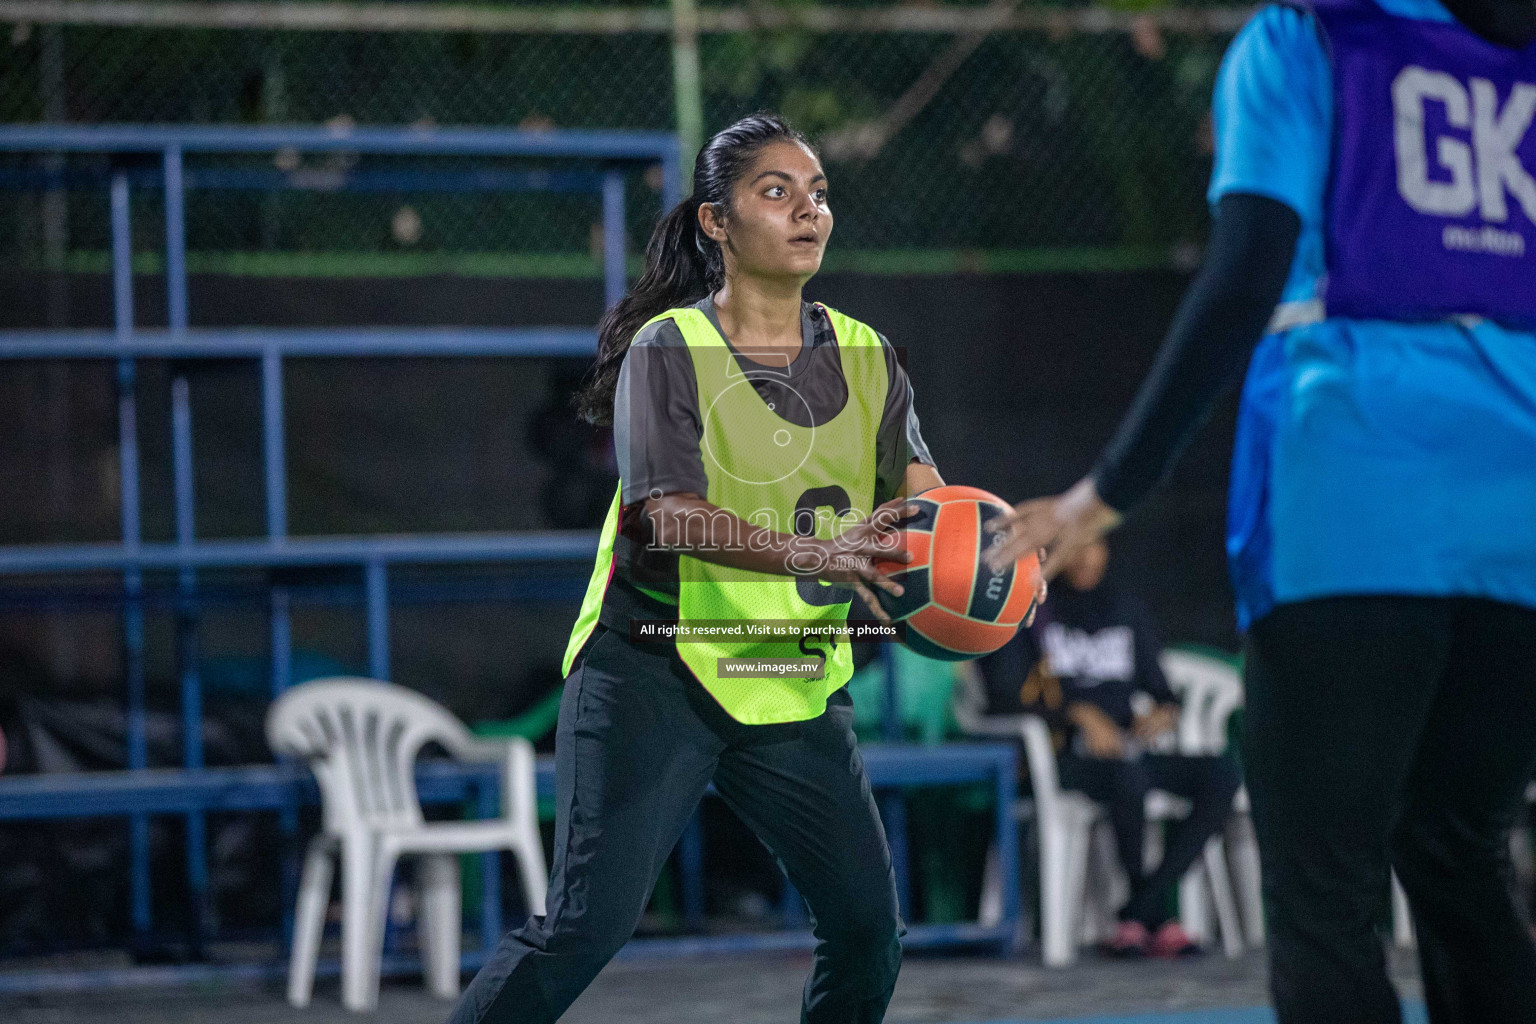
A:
(1393, 731)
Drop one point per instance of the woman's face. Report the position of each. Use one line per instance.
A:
(779, 221)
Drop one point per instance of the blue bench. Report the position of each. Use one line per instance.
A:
(281, 787)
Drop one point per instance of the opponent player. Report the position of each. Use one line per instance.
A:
(747, 422)
(1374, 170)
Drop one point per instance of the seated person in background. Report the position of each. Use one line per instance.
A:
(1091, 650)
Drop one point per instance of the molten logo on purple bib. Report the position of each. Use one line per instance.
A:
(1432, 204)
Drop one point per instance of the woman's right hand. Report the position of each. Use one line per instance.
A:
(1060, 525)
(848, 559)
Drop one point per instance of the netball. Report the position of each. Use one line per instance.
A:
(953, 606)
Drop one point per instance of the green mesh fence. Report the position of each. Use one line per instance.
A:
(1077, 142)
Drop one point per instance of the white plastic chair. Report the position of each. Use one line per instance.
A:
(1209, 691)
(1065, 821)
(1402, 918)
(1242, 844)
(360, 738)
(1067, 824)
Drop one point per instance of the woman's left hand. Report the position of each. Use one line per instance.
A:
(852, 554)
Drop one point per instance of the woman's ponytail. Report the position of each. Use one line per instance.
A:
(677, 272)
(682, 264)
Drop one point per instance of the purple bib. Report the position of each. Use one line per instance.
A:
(1432, 197)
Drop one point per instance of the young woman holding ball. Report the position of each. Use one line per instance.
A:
(749, 425)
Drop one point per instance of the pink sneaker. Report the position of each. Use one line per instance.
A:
(1172, 941)
(1128, 940)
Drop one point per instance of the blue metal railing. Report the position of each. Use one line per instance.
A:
(281, 787)
(612, 153)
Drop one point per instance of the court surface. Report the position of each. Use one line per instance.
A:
(760, 990)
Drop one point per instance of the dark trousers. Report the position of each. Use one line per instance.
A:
(1208, 783)
(1401, 731)
(637, 743)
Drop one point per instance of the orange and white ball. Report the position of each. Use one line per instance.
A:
(954, 607)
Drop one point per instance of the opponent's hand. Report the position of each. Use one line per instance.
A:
(1061, 525)
(848, 559)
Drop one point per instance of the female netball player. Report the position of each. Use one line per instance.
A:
(748, 424)
(1382, 524)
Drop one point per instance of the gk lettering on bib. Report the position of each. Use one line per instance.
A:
(1432, 199)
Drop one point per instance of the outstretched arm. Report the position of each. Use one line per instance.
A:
(1272, 114)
